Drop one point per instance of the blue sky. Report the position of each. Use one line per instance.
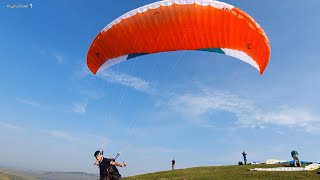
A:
(197, 107)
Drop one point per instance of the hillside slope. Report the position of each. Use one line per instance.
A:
(227, 172)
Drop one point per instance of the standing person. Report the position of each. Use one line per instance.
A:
(108, 169)
(244, 154)
(173, 162)
(295, 157)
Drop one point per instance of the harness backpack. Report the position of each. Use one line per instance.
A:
(113, 172)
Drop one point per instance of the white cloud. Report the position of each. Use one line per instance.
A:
(116, 77)
(82, 71)
(196, 106)
(291, 117)
(49, 53)
(92, 94)
(200, 104)
(79, 107)
(8, 126)
(53, 133)
(58, 57)
(28, 102)
(127, 80)
(62, 135)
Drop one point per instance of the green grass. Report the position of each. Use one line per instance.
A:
(227, 172)
(204, 173)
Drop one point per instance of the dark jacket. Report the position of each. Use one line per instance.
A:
(108, 171)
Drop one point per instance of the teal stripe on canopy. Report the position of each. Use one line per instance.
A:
(216, 50)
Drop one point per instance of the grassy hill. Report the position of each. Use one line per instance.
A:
(227, 172)
(234, 172)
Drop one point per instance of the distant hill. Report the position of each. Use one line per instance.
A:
(10, 175)
(39, 175)
(67, 176)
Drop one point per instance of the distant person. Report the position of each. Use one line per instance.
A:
(296, 161)
(108, 169)
(173, 162)
(244, 154)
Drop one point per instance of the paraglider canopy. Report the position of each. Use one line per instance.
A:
(173, 25)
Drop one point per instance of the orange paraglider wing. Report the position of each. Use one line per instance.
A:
(173, 25)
